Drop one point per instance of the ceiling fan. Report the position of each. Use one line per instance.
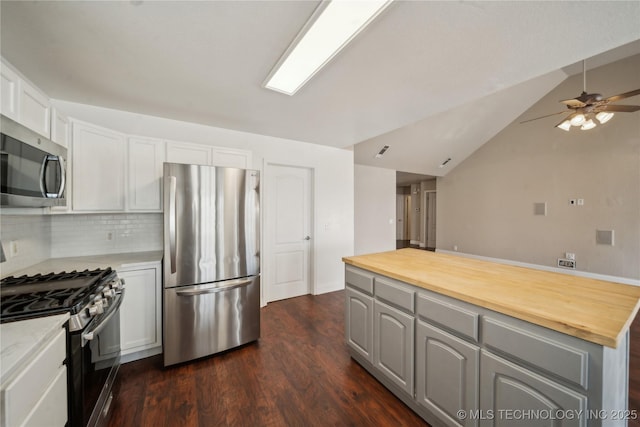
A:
(588, 106)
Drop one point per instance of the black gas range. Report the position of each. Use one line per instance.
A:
(92, 298)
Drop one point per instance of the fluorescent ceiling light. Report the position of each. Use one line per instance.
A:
(331, 27)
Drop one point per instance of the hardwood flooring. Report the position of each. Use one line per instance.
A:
(298, 374)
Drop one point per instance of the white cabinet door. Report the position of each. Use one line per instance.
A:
(185, 152)
(145, 174)
(98, 168)
(140, 313)
(60, 128)
(231, 158)
(35, 109)
(10, 89)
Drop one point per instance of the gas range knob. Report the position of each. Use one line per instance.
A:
(109, 293)
(96, 308)
(99, 305)
(117, 284)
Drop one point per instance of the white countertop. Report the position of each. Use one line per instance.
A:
(21, 340)
(115, 261)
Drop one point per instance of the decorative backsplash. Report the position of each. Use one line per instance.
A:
(77, 235)
(40, 237)
(32, 237)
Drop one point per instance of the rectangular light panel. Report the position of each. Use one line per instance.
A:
(329, 30)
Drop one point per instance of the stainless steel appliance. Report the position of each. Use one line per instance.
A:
(93, 300)
(211, 260)
(32, 168)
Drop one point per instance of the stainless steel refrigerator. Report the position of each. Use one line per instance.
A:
(211, 260)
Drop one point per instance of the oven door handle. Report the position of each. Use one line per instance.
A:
(94, 331)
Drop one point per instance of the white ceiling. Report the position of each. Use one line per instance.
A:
(412, 76)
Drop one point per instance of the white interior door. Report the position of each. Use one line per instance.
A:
(288, 231)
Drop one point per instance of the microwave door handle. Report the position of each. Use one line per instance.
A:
(43, 181)
(63, 178)
(43, 176)
(172, 222)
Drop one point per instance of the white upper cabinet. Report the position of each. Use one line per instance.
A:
(231, 158)
(23, 102)
(60, 128)
(198, 154)
(98, 168)
(146, 156)
(186, 152)
(10, 90)
(35, 110)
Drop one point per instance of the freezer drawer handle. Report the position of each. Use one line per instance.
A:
(214, 289)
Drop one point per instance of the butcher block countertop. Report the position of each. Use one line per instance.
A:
(594, 310)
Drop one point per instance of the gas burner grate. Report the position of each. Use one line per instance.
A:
(31, 296)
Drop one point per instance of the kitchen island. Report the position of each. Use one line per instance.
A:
(469, 342)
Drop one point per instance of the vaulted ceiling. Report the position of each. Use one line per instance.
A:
(434, 79)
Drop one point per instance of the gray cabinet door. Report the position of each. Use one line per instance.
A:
(447, 375)
(513, 395)
(359, 323)
(393, 345)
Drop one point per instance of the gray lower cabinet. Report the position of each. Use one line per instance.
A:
(447, 370)
(359, 323)
(513, 395)
(459, 364)
(393, 341)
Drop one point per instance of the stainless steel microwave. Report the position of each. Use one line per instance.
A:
(32, 168)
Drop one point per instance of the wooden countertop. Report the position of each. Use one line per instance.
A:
(590, 309)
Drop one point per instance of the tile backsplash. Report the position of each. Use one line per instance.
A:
(32, 237)
(77, 235)
(39, 237)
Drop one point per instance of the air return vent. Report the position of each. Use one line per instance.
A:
(382, 151)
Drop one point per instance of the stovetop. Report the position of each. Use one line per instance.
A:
(31, 296)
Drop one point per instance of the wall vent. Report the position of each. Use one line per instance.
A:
(382, 151)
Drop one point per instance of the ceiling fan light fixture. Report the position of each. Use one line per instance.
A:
(577, 120)
(566, 125)
(604, 116)
(589, 124)
(331, 27)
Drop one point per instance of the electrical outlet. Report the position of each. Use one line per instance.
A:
(13, 248)
(109, 235)
(567, 263)
(580, 202)
(570, 255)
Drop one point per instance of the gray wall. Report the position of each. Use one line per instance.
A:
(485, 204)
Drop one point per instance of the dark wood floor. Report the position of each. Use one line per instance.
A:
(297, 374)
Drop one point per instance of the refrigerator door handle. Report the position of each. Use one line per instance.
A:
(172, 222)
(214, 288)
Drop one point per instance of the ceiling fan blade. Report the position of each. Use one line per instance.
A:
(542, 117)
(620, 108)
(615, 98)
(574, 103)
